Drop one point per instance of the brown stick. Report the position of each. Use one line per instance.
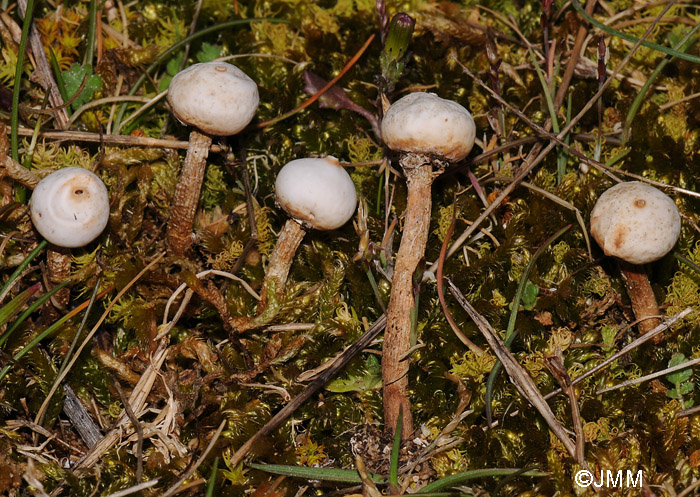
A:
(281, 259)
(46, 75)
(642, 297)
(397, 337)
(186, 198)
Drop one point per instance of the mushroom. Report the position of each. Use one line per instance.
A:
(430, 132)
(637, 224)
(70, 207)
(317, 193)
(218, 99)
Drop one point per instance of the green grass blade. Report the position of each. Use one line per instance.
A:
(30, 310)
(625, 36)
(563, 157)
(92, 29)
(27, 348)
(212, 478)
(514, 314)
(545, 90)
(12, 308)
(323, 474)
(59, 78)
(22, 51)
(23, 265)
(681, 46)
(453, 480)
(395, 448)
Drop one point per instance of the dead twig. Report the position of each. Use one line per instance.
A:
(130, 141)
(79, 418)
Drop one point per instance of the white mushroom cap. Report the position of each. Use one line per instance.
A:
(427, 124)
(317, 192)
(635, 222)
(70, 207)
(215, 97)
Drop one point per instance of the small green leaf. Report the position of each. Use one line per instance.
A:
(529, 296)
(208, 52)
(73, 79)
(174, 64)
(369, 379)
(679, 376)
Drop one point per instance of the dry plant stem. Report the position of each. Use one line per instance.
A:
(397, 337)
(642, 297)
(186, 198)
(281, 259)
(44, 69)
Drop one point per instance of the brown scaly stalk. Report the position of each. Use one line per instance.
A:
(317, 193)
(281, 259)
(429, 132)
(217, 99)
(644, 305)
(397, 337)
(184, 203)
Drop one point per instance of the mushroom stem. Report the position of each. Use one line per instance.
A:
(641, 295)
(186, 198)
(58, 268)
(281, 259)
(397, 337)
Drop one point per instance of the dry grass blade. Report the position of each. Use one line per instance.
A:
(134, 489)
(136, 400)
(649, 377)
(518, 374)
(44, 69)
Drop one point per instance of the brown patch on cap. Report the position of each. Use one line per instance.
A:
(618, 236)
(640, 202)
